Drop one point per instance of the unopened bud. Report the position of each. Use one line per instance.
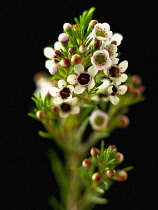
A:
(76, 59)
(114, 42)
(93, 22)
(40, 114)
(113, 148)
(122, 176)
(75, 26)
(67, 26)
(96, 177)
(83, 48)
(65, 62)
(110, 173)
(120, 156)
(94, 151)
(136, 79)
(58, 53)
(71, 49)
(53, 69)
(123, 121)
(86, 163)
(63, 37)
(55, 109)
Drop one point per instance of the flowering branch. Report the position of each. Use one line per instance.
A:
(81, 101)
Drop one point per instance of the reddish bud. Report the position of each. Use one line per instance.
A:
(122, 176)
(76, 59)
(40, 114)
(120, 156)
(65, 62)
(93, 22)
(75, 26)
(83, 48)
(55, 109)
(97, 176)
(94, 151)
(71, 49)
(136, 79)
(113, 148)
(123, 121)
(110, 173)
(86, 163)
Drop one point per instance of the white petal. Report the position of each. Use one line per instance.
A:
(78, 68)
(106, 71)
(110, 89)
(115, 61)
(48, 52)
(123, 77)
(73, 100)
(58, 46)
(92, 71)
(75, 110)
(72, 79)
(78, 89)
(91, 85)
(48, 64)
(109, 34)
(54, 91)
(114, 100)
(108, 63)
(117, 37)
(123, 66)
(71, 88)
(61, 83)
(106, 26)
(122, 89)
(95, 98)
(58, 100)
(106, 83)
(64, 114)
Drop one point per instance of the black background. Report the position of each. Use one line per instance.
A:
(26, 28)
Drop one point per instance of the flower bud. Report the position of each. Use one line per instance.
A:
(67, 26)
(76, 59)
(40, 114)
(53, 69)
(75, 26)
(136, 79)
(123, 121)
(96, 177)
(86, 163)
(55, 109)
(113, 148)
(122, 176)
(93, 22)
(83, 48)
(94, 151)
(65, 62)
(120, 156)
(63, 37)
(58, 53)
(71, 49)
(110, 173)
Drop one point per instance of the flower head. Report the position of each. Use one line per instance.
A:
(116, 72)
(69, 108)
(82, 78)
(63, 93)
(102, 31)
(98, 119)
(101, 60)
(113, 90)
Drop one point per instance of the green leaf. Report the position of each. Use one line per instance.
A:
(55, 203)
(98, 200)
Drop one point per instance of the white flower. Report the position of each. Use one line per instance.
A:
(116, 38)
(69, 108)
(98, 119)
(48, 52)
(101, 60)
(82, 78)
(112, 49)
(116, 72)
(42, 83)
(113, 90)
(63, 93)
(102, 31)
(101, 93)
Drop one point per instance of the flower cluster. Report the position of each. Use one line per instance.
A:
(86, 68)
